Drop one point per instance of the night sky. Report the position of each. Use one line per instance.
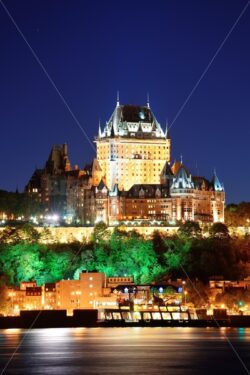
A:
(93, 48)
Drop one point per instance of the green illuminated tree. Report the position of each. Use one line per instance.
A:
(57, 265)
(20, 262)
(104, 260)
(176, 254)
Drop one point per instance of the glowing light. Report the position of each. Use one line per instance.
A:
(142, 115)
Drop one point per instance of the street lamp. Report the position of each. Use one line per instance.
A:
(183, 289)
(185, 295)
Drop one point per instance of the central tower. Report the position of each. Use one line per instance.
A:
(132, 148)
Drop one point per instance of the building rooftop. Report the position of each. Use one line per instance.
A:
(132, 121)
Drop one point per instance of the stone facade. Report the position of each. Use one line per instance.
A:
(132, 148)
(131, 178)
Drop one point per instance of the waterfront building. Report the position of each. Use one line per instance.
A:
(93, 290)
(49, 296)
(27, 297)
(80, 294)
(62, 295)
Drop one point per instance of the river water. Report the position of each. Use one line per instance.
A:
(125, 351)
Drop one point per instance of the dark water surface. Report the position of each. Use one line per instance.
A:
(125, 351)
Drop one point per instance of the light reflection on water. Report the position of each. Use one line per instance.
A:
(125, 351)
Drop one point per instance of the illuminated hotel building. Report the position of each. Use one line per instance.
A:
(132, 148)
(130, 180)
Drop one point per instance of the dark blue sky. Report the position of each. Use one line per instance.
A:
(92, 48)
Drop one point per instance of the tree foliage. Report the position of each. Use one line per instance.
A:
(238, 214)
(234, 298)
(22, 233)
(24, 257)
(19, 204)
(219, 230)
(190, 229)
(197, 293)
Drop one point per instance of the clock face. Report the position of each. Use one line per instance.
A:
(142, 115)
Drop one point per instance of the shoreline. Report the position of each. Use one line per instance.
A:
(89, 318)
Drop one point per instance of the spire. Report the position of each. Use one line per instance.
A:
(218, 186)
(100, 130)
(148, 105)
(167, 133)
(117, 99)
(182, 180)
(196, 167)
(181, 159)
(166, 130)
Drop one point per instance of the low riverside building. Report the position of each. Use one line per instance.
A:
(68, 295)
(228, 284)
(80, 294)
(218, 285)
(63, 295)
(114, 281)
(92, 291)
(49, 296)
(27, 297)
(33, 298)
